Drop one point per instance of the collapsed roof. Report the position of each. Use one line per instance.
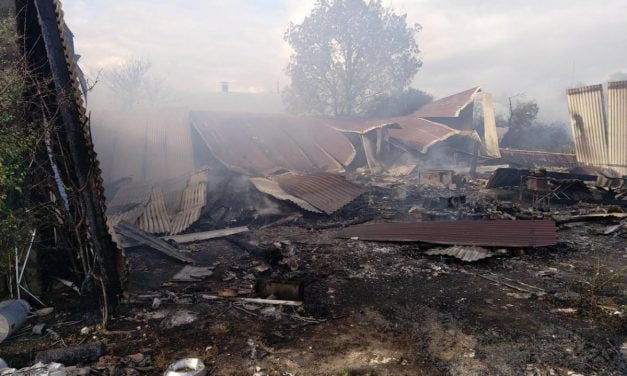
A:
(258, 145)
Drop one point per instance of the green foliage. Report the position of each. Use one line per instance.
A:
(347, 55)
(16, 146)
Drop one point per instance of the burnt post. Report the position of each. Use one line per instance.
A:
(50, 62)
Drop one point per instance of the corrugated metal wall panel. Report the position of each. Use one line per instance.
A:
(617, 126)
(490, 137)
(155, 217)
(589, 124)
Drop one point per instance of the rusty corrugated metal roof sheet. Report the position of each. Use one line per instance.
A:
(530, 158)
(499, 233)
(325, 191)
(360, 127)
(272, 188)
(262, 144)
(319, 192)
(617, 126)
(420, 134)
(588, 121)
(449, 106)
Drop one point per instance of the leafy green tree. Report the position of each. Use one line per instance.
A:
(347, 54)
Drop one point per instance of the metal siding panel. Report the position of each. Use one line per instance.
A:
(490, 137)
(589, 124)
(617, 126)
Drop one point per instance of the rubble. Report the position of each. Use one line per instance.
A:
(72, 355)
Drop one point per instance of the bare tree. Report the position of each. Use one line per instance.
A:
(132, 82)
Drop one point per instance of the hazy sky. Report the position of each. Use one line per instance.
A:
(536, 47)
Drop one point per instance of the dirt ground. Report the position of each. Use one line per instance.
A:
(369, 308)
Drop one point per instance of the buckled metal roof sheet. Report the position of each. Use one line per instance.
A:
(154, 218)
(499, 233)
(529, 158)
(449, 106)
(419, 133)
(272, 188)
(360, 127)
(324, 191)
(617, 126)
(587, 118)
(261, 144)
(193, 200)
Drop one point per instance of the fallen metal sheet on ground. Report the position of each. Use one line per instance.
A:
(192, 273)
(325, 191)
(498, 233)
(128, 230)
(463, 253)
(205, 235)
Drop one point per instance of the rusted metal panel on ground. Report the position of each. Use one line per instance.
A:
(529, 158)
(490, 137)
(588, 121)
(260, 144)
(420, 134)
(450, 106)
(154, 218)
(617, 126)
(325, 191)
(499, 233)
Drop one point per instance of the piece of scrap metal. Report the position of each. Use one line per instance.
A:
(497, 233)
(464, 253)
(128, 230)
